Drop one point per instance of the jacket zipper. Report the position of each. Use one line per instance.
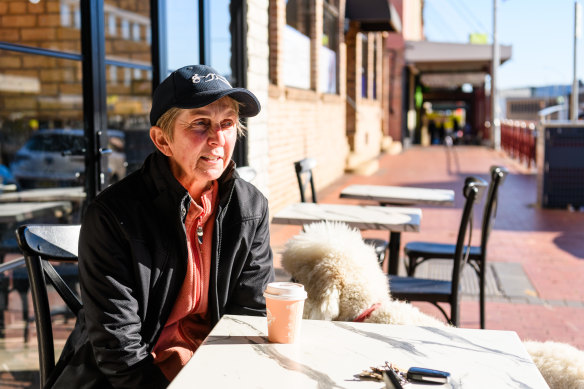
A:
(198, 261)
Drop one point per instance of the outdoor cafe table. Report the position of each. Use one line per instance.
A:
(20, 212)
(237, 354)
(362, 217)
(74, 194)
(398, 195)
(401, 195)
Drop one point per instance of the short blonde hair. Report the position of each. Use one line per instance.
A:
(167, 120)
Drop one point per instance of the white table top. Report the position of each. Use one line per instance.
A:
(362, 217)
(237, 354)
(74, 194)
(17, 212)
(399, 194)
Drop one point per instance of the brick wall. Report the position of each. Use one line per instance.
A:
(303, 124)
(364, 114)
(258, 82)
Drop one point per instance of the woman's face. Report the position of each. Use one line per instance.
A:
(202, 144)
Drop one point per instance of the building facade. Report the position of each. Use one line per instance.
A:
(92, 65)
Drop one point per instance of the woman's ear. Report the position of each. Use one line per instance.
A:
(160, 140)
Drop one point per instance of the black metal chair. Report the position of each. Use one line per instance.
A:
(439, 291)
(418, 252)
(40, 244)
(305, 177)
(9, 245)
(20, 285)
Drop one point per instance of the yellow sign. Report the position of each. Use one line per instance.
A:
(478, 38)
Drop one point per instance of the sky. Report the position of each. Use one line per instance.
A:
(540, 32)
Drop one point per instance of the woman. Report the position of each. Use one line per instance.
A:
(167, 251)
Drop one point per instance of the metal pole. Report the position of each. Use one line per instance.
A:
(577, 34)
(495, 122)
(94, 94)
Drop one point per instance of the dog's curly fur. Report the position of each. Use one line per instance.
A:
(343, 279)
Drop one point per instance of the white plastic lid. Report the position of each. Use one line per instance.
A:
(285, 291)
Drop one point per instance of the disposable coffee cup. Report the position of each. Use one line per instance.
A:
(284, 306)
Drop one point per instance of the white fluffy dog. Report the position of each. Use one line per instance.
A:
(344, 283)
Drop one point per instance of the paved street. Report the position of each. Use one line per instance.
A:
(536, 256)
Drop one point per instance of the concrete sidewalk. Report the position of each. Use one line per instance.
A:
(536, 256)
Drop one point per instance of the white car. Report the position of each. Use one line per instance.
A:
(57, 158)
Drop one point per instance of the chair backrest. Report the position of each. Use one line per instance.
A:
(474, 190)
(304, 175)
(498, 175)
(41, 243)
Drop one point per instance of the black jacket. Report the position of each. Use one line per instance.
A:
(132, 263)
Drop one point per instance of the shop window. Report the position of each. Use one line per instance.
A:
(42, 94)
(111, 24)
(66, 16)
(364, 66)
(48, 24)
(181, 20)
(125, 40)
(298, 16)
(329, 49)
(296, 53)
(128, 85)
(219, 41)
(77, 18)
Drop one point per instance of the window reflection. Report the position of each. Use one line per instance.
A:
(296, 53)
(298, 15)
(49, 24)
(220, 39)
(128, 101)
(128, 85)
(182, 32)
(126, 37)
(329, 49)
(38, 93)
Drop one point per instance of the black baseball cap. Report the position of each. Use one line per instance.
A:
(196, 86)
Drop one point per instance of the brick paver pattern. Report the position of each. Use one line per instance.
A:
(547, 243)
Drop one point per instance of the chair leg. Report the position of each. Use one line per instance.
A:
(24, 298)
(437, 305)
(482, 280)
(410, 264)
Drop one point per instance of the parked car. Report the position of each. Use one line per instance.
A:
(57, 158)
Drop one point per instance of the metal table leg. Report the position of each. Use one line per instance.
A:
(394, 245)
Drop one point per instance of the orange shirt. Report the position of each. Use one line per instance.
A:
(188, 324)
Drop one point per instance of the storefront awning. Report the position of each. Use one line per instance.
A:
(441, 57)
(450, 80)
(373, 15)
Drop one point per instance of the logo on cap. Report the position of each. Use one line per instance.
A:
(208, 78)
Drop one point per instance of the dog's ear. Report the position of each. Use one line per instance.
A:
(327, 308)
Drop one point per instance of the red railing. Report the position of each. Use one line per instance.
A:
(518, 139)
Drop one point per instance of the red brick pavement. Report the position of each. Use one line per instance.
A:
(549, 244)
